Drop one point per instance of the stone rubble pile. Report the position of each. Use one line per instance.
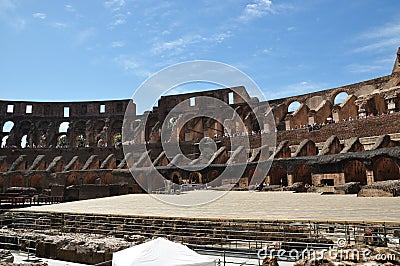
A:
(390, 188)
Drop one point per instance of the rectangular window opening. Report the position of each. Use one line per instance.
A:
(102, 108)
(192, 101)
(230, 97)
(10, 108)
(66, 111)
(28, 109)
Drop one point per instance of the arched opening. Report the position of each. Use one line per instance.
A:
(99, 132)
(340, 97)
(117, 139)
(212, 175)
(16, 181)
(278, 176)
(81, 141)
(8, 126)
(293, 107)
(386, 169)
(354, 171)
(90, 179)
(24, 141)
(25, 128)
(176, 178)
(36, 181)
(63, 128)
(4, 142)
(71, 180)
(62, 141)
(107, 179)
(150, 128)
(195, 178)
(376, 106)
(80, 133)
(302, 174)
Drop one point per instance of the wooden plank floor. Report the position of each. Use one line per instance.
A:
(268, 206)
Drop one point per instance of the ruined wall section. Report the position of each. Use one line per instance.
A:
(50, 125)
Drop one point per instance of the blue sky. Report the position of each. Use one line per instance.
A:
(95, 50)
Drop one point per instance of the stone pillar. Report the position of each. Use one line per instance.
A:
(290, 179)
(391, 104)
(362, 113)
(370, 176)
(287, 125)
(71, 135)
(335, 116)
(311, 120)
(341, 179)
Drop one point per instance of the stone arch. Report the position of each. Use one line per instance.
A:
(376, 105)
(314, 102)
(62, 141)
(386, 169)
(63, 127)
(116, 127)
(8, 126)
(98, 133)
(16, 181)
(293, 106)
(4, 142)
(339, 96)
(355, 171)
(24, 141)
(107, 179)
(36, 181)
(150, 124)
(72, 179)
(80, 133)
(195, 177)
(278, 176)
(89, 179)
(176, 178)
(302, 173)
(24, 133)
(211, 175)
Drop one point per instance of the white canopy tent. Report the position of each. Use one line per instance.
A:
(160, 252)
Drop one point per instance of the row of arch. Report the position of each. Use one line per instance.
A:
(354, 171)
(44, 134)
(383, 169)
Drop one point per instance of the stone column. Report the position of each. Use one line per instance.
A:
(290, 179)
(370, 176)
(391, 104)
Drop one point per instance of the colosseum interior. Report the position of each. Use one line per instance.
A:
(330, 137)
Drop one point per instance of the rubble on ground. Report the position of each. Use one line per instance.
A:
(348, 188)
(389, 188)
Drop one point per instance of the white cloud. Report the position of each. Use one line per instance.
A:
(39, 15)
(257, 9)
(69, 8)
(176, 45)
(377, 65)
(9, 16)
(383, 38)
(119, 21)
(117, 44)
(114, 5)
(130, 65)
(59, 25)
